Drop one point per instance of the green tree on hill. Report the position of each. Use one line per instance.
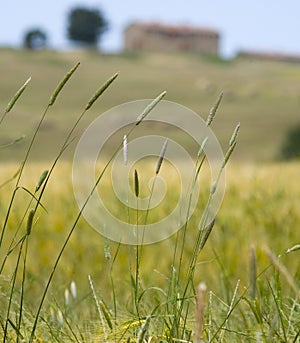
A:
(291, 146)
(35, 39)
(85, 26)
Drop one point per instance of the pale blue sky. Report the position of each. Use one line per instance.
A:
(263, 25)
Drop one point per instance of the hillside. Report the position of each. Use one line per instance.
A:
(262, 95)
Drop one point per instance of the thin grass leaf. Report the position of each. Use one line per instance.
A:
(294, 248)
(143, 330)
(16, 97)
(125, 150)
(252, 273)
(98, 307)
(15, 329)
(106, 314)
(100, 91)
(38, 201)
(62, 84)
(228, 154)
(282, 269)
(149, 108)
(17, 140)
(201, 150)
(13, 177)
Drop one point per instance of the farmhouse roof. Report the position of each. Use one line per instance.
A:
(174, 29)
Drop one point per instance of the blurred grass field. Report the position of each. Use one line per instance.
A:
(261, 204)
(262, 95)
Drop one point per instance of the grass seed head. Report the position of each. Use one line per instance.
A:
(235, 134)
(149, 108)
(100, 91)
(17, 96)
(213, 110)
(30, 221)
(161, 156)
(62, 84)
(73, 289)
(136, 183)
(41, 180)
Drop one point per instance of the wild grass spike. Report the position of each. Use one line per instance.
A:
(206, 234)
(149, 108)
(136, 183)
(17, 96)
(41, 180)
(62, 84)
(235, 134)
(30, 221)
(100, 91)
(213, 110)
(161, 156)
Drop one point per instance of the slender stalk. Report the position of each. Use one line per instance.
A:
(155, 102)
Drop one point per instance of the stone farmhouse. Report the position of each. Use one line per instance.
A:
(158, 37)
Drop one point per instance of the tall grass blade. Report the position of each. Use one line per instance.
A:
(98, 307)
(252, 273)
(143, 331)
(283, 270)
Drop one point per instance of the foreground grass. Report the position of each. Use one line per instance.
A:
(260, 212)
(60, 281)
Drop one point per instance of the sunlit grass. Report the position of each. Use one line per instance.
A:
(62, 281)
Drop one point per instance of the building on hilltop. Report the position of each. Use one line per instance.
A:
(157, 37)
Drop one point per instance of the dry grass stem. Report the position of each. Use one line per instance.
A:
(201, 291)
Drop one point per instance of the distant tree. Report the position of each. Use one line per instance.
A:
(35, 39)
(291, 146)
(85, 26)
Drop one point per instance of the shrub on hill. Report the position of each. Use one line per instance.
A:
(291, 146)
